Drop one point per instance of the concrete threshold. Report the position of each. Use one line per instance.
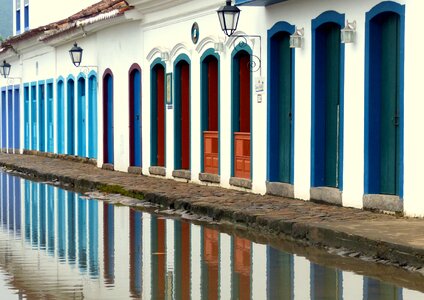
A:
(382, 237)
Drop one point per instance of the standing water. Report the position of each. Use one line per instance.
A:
(56, 244)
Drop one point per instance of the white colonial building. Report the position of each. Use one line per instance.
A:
(162, 91)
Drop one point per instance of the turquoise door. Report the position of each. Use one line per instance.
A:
(71, 117)
(384, 105)
(60, 116)
(41, 117)
(34, 116)
(81, 118)
(50, 143)
(92, 117)
(26, 117)
(327, 116)
(16, 117)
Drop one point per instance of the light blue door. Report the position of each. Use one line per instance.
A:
(33, 116)
(41, 116)
(26, 117)
(81, 118)
(71, 117)
(9, 118)
(3, 119)
(92, 117)
(60, 116)
(16, 114)
(50, 145)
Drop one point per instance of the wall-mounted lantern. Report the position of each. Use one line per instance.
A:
(228, 18)
(296, 39)
(5, 69)
(76, 55)
(348, 34)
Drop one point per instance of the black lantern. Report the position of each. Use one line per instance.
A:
(228, 18)
(76, 55)
(5, 69)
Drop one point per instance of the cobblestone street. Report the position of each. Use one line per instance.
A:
(372, 234)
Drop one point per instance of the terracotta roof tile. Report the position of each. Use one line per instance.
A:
(52, 29)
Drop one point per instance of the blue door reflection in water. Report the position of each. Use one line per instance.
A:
(77, 248)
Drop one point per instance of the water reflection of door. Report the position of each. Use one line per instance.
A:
(136, 253)
(109, 243)
(210, 264)
(182, 260)
(158, 248)
(241, 260)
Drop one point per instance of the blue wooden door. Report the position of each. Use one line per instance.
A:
(108, 119)
(9, 118)
(135, 118)
(50, 145)
(26, 117)
(3, 119)
(41, 117)
(92, 117)
(33, 116)
(71, 117)
(16, 116)
(81, 118)
(60, 116)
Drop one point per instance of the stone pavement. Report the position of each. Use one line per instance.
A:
(396, 239)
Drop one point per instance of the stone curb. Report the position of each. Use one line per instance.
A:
(310, 233)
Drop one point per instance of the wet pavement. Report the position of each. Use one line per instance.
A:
(354, 232)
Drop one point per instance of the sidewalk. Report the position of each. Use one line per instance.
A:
(399, 240)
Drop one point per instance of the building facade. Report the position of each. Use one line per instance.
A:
(6, 19)
(165, 93)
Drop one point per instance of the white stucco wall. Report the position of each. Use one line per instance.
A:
(142, 41)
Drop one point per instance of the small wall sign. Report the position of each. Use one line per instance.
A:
(168, 89)
(259, 84)
(195, 33)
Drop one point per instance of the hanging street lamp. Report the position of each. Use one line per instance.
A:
(76, 55)
(228, 18)
(5, 69)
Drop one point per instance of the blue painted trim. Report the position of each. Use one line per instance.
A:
(233, 74)
(81, 116)
(26, 116)
(49, 118)
(70, 117)
(275, 29)
(60, 113)
(328, 17)
(153, 133)
(386, 6)
(206, 54)
(177, 135)
(92, 115)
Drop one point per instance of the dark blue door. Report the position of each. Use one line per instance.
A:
(135, 118)
(16, 113)
(71, 116)
(10, 118)
(108, 119)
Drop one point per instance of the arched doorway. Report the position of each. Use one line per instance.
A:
(210, 112)
(241, 98)
(281, 105)
(60, 116)
(135, 115)
(92, 115)
(108, 137)
(157, 114)
(327, 102)
(71, 116)
(82, 142)
(384, 99)
(182, 113)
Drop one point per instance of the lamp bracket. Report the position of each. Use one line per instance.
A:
(239, 41)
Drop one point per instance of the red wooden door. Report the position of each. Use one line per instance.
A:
(211, 160)
(242, 138)
(185, 116)
(160, 117)
(211, 145)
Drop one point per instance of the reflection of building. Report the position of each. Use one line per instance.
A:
(49, 237)
(323, 122)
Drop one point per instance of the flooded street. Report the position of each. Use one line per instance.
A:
(56, 244)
